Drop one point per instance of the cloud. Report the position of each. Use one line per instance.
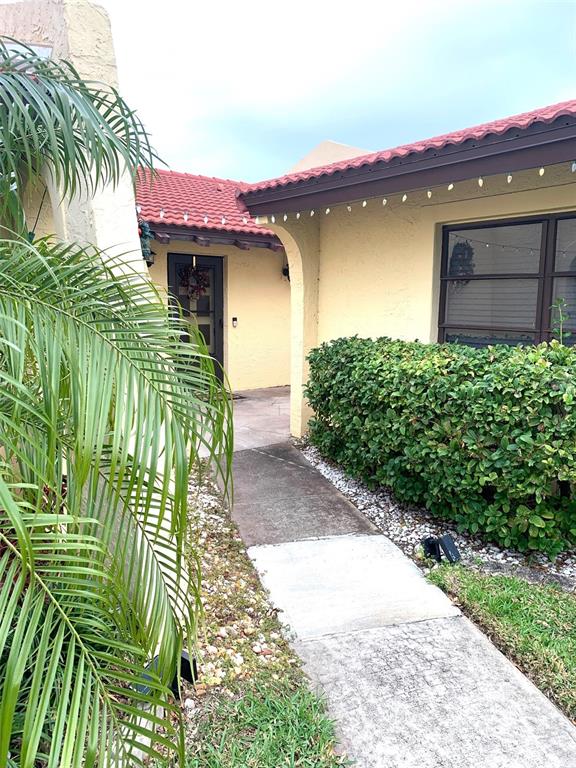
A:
(245, 89)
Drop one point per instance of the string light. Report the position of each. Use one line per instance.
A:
(206, 219)
(161, 213)
(223, 219)
(273, 219)
(450, 187)
(185, 215)
(139, 207)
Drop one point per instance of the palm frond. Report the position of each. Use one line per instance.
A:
(103, 413)
(82, 132)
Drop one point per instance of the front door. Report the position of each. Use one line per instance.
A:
(196, 282)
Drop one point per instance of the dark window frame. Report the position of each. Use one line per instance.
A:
(546, 274)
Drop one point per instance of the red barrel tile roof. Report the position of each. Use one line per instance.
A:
(189, 200)
(497, 127)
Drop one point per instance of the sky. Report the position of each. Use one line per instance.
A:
(243, 90)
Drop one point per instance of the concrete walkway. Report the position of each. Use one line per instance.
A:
(261, 417)
(410, 682)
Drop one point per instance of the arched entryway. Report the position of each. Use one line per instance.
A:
(302, 247)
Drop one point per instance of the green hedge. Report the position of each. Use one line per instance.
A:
(483, 437)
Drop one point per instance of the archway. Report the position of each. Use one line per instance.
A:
(301, 242)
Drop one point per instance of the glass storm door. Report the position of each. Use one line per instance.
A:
(196, 282)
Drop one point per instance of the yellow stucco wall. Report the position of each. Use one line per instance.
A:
(379, 265)
(257, 351)
(374, 270)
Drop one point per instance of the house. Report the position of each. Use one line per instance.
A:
(226, 271)
(469, 236)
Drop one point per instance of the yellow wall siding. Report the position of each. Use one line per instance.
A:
(379, 265)
(375, 274)
(375, 270)
(257, 351)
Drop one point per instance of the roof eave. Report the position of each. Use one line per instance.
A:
(207, 237)
(517, 149)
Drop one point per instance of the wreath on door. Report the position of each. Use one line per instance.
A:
(195, 280)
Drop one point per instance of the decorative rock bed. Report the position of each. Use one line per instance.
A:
(406, 526)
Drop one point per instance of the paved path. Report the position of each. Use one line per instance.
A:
(261, 417)
(410, 682)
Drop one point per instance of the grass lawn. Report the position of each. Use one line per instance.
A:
(265, 726)
(252, 706)
(534, 625)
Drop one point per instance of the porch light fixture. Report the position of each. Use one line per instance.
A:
(541, 172)
(480, 181)
(450, 187)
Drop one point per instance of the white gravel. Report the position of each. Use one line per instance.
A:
(407, 525)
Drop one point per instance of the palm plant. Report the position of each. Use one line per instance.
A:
(103, 412)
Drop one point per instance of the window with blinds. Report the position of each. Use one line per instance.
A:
(502, 281)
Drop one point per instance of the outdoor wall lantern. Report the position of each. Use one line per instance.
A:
(146, 235)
